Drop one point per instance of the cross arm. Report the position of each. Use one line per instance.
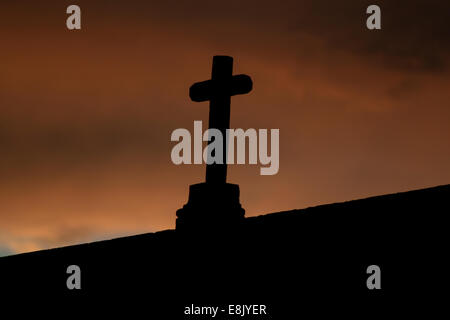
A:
(205, 90)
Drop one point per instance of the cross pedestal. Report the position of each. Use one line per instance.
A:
(210, 207)
(214, 204)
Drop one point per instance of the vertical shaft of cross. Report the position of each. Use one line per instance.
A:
(219, 114)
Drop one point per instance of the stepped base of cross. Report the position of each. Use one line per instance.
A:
(211, 207)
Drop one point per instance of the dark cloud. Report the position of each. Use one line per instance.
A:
(415, 35)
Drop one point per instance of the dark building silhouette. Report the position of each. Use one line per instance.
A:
(299, 261)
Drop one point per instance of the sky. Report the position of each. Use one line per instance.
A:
(86, 115)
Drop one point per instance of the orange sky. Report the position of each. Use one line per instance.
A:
(86, 116)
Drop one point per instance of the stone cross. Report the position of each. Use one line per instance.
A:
(218, 91)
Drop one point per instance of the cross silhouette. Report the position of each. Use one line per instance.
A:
(218, 90)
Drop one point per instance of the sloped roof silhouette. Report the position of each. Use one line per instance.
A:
(309, 257)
